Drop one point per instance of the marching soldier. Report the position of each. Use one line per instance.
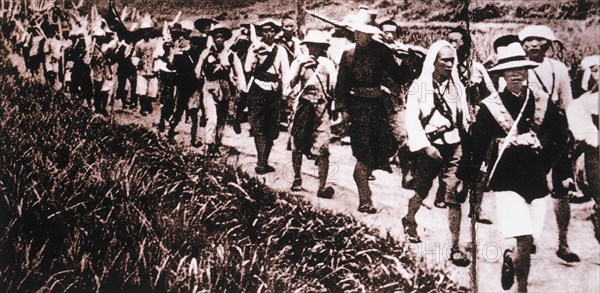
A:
(167, 76)
(478, 85)
(436, 117)
(101, 66)
(79, 54)
(146, 81)
(358, 91)
(53, 50)
(240, 47)
(582, 115)
(522, 131)
(216, 64)
(187, 83)
(268, 64)
(310, 130)
(552, 78)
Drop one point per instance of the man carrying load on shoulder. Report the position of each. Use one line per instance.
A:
(216, 65)
(267, 63)
(311, 130)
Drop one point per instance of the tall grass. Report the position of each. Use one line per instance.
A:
(86, 205)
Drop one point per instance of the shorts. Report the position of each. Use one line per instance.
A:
(311, 130)
(147, 86)
(518, 218)
(263, 112)
(436, 161)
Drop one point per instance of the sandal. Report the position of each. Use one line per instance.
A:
(368, 209)
(297, 185)
(507, 278)
(481, 220)
(326, 192)
(261, 170)
(459, 258)
(567, 255)
(410, 230)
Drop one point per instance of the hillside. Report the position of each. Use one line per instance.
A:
(426, 10)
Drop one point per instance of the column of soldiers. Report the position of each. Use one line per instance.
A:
(444, 115)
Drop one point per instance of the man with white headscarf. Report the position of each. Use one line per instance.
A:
(436, 114)
(582, 115)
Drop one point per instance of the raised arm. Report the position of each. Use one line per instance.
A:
(239, 72)
(198, 68)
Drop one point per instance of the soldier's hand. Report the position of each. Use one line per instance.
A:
(433, 153)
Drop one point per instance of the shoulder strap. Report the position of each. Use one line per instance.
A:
(263, 67)
(499, 112)
(537, 76)
(541, 99)
(309, 80)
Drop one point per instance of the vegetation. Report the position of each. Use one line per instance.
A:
(89, 205)
(445, 10)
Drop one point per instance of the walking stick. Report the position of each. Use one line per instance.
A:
(478, 192)
(482, 184)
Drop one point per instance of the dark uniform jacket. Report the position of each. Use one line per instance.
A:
(522, 168)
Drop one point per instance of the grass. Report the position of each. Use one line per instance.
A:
(87, 205)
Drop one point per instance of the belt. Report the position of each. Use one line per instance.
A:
(366, 92)
(315, 101)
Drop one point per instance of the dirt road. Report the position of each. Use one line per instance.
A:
(548, 272)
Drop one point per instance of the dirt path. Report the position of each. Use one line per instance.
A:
(548, 273)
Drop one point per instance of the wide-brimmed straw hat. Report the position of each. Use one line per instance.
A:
(511, 54)
(221, 29)
(315, 37)
(359, 23)
(270, 23)
(202, 23)
(538, 31)
(388, 23)
(177, 30)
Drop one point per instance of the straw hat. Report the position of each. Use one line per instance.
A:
(537, 31)
(271, 23)
(388, 25)
(97, 30)
(202, 23)
(146, 22)
(315, 37)
(359, 23)
(221, 29)
(177, 30)
(511, 54)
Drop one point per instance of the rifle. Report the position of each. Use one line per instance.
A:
(400, 51)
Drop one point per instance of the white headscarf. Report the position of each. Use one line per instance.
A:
(587, 63)
(429, 66)
(420, 97)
